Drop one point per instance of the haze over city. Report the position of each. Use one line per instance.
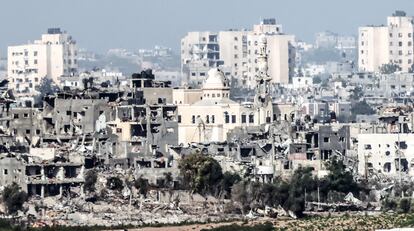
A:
(219, 115)
(99, 25)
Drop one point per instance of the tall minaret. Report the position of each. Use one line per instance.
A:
(262, 97)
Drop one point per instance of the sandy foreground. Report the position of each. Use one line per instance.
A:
(196, 227)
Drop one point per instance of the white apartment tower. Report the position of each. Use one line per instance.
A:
(199, 53)
(280, 51)
(390, 44)
(236, 51)
(51, 57)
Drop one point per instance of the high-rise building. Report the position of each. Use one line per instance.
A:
(389, 44)
(235, 52)
(53, 56)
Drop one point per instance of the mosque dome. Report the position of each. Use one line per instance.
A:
(216, 80)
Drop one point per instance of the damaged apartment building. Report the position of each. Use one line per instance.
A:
(145, 125)
(128, 127)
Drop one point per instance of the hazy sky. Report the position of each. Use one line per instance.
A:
(101, 24)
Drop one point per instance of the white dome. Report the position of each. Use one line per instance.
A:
(216, 80)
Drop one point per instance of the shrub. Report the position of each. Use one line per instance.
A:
(14, 198)
(90, 180)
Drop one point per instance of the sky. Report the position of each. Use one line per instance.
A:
(99, 25)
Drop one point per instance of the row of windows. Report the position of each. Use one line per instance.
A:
(211, 118)
(400, 43)
(25, 71)
(409, 61)
(218, 95)
(26, 62)
(400, 35)
(26, 53)
(26, 80)
(400, 52)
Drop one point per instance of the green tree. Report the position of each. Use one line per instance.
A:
(14, 198)
(115, 183)
(389, 68)
(405, 205)
(357, 93)
(46, 87)
(317, 80)
(200, 173)
(301, 180)
(229, 179)
(339, 179)
(90, 180)
(362, 108)
(142, 185)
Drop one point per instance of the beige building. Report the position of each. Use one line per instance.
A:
(53, 56)
(392, 43)
(208, 114)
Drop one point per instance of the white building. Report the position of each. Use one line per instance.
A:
(281, 53)
(236, 51)
(393, 43)
(302, 82)
(208, 114)
(378, 153)
(52, 57)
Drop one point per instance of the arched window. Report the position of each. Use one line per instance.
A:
(243, 118)
(213, 119)
(207, 119)
(226, 117)
(251, 118)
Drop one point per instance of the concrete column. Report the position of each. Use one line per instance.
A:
(60, 190)
(42, 173)
(42, 191)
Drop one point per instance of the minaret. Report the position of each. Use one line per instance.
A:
(262, 97)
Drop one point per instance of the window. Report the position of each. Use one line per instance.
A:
(400, 52)
(35, 61)
(367, 147)
(410, 43)
(5, 171)
(243, 118)
(193, 119)
(213, 119)
(390, 35)
(226, 117)
(400, 44)
(233, 119)
(193, 74)
(208, 119)
(27, 131)
(15, 116)
(326, 139)
(119, 130)
(25, 115)
(179, 119)
(399, 35)
(68, 113)
(202, 74)
(26, 62)
(35, 53)
(409, 35)
(251, 118)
